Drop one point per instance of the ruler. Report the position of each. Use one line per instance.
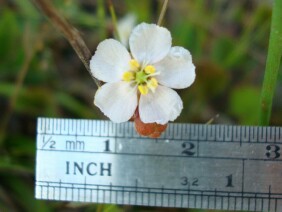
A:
(189, 166)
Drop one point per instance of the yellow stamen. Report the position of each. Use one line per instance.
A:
(152, 84)
(143, 89)
(150, 69)
(128, 76)
(134, 65)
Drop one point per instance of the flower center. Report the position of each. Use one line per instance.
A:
(142, 77)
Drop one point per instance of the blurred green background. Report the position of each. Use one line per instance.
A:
(228, 41)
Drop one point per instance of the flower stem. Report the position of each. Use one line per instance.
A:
(69, 32)
(162, 14)
(272, 64)
(114, 18)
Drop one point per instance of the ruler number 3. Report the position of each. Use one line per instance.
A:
(273, 151)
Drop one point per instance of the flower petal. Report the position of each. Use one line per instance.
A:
(125, 26)
(117, 100)
(162, 106)
(110, 60)
(149, 43)
(176, 69)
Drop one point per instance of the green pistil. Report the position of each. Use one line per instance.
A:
(141, 77)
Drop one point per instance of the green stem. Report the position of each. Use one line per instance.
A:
(114, 18)
(102, 19)
(272, 63)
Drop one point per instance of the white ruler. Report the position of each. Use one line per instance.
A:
(190, 166)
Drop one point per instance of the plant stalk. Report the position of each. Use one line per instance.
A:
(163, 11)
(114, 19)
(69, 32)
(272, 64)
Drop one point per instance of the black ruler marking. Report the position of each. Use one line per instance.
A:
(111, 193)
(255, 202)
(197, 197)
(269, 197)
(223, 130)
(136, 189)
(142, 189)
(162, 197)
(159, 155)
(149, 193)
(122, 196)
(97, 194)
(249, 199)
(72, 192)
(175, 198)
(60, 198)
(84, 189)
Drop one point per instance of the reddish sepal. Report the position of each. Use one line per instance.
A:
(152, 130)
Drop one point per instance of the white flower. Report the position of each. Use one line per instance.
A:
(142, 78)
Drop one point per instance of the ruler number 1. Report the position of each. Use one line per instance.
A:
(273, 151)
(107, 146)
(229, 181)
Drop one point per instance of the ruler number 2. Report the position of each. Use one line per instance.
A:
(273, 151)
(188, 148)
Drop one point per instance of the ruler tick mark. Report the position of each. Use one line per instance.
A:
(72, 195)
(78, 194)
(255, 202)
(228, 201)
(235, 203)
(84, 189)
(149, 197)
(47, 190)
(215, 198)
(162, 197)
(188, 196)
(136, 186)
(221, 203)
(201, 199)
(111, 193)
(269, 197)
(195, 200)
(41, 188)
(262, 204)
(248, 203)
(122, 197)
(174, 198)
(97, 194)
(208, 203)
